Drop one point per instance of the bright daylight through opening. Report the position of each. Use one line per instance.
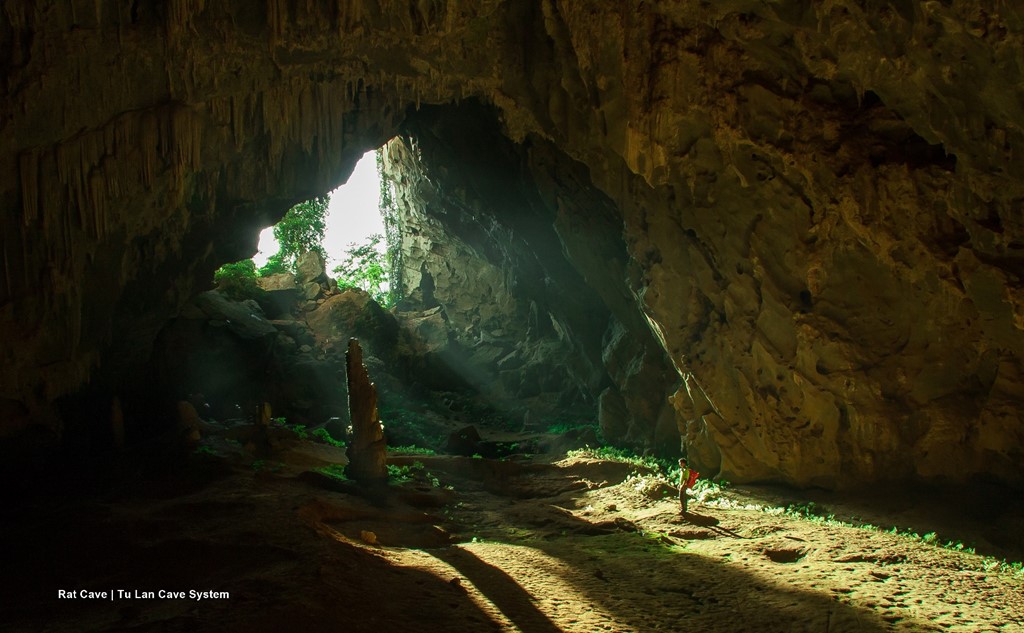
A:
(352, 217)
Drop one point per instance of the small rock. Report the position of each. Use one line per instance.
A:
(368, 537)
(305, 349)
(311, 290)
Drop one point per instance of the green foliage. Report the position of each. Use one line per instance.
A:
(405, 423)
(334, 471)
(402, 474)
(364, 268)
(560, 427)
(411, 450)
(302, 229)
(275, 265)
(238, 280)
(325, 436)
(811, 511)
(625, 456)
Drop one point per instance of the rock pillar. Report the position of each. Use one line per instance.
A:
(366, 450)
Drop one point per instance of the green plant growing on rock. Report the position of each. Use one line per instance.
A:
(325, 436)
(301, 230)
(402, 474)
(625, 456)
(411, 450)
(334, 471)
(276, 264)
(238, 280)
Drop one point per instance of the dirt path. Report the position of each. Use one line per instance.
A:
(495, 545)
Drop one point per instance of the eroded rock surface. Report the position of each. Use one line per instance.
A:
(821, 203)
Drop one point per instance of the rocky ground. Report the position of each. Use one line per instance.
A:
(468, 544)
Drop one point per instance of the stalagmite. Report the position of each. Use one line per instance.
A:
(367, 449)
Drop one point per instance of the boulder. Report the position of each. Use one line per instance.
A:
(309, 267)
(311, 290)
(464, 441)
(240, 318)
(429, 328)
(280, 281)
(354, 314)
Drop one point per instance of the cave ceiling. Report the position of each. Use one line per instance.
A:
(821, 203)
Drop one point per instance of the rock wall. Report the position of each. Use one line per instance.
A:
(821, 202)
(528, 277)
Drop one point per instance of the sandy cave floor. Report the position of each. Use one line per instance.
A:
(517, 545)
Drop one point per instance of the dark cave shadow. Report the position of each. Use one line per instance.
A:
(506, 594)
(281, 579)
(983, 515)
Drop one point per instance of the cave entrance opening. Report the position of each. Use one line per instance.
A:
(355, 239)
(503, 336)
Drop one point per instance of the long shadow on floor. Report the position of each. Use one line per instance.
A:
(500, 589)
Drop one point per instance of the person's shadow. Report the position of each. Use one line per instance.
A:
(709, 522)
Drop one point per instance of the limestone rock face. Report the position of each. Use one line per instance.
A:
(484, 243)
(820, 202)
(352, 313)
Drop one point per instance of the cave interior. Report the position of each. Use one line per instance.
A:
(779, 239)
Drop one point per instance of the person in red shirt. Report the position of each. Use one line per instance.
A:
(687, 477)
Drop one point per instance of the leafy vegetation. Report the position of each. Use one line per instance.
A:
(334, 471)
(370, 266)
(302, 230)
(559, 426)
(238, 280)
(411, 450)
(406, 424)
(402, 474)
(364, 267)
(325, 437)
(625, 456)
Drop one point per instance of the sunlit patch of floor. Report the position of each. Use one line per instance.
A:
(496, 577)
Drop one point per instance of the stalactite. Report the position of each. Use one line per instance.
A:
(29, 168)
(277, 17)
(186, 140)
(180, 14)
(149, 136)
(350, 14)
(8, 288)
